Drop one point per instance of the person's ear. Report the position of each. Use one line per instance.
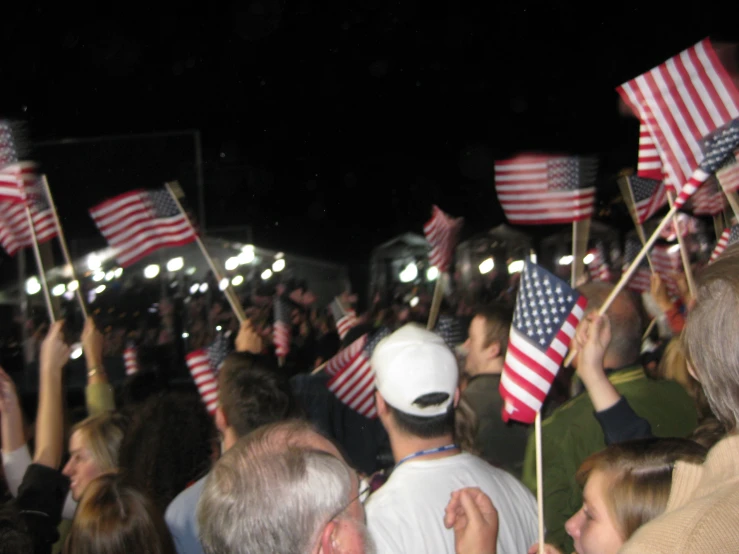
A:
(326, 544)
(220, 419)
(493, 351)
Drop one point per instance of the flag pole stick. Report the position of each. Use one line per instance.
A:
(230, 295)
(629, 272)
(40, 265)
(319, 368)
(628, 195)
(718, 224)
(683, 248)
(649, 329)
(539, 481)
(573, 269)
(63, 244)
(733, 199)
(436, 301)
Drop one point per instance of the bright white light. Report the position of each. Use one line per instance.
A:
(110, 276)
(279, 255)
(432, 273)
(76, 351)
(588, 258)
(674, 248)
(565, 260)
(191, 270)
(486, 266)
(219, 328)
(151, 271)
(223, 285)
(204, 288)
(279, 265)
(248, 247)
(185, 335)
(515, 266)
(99, 276)
(236, 281)
(118, 272)
(69, 295)
(175, 264)
(410, 273)
(73, 285)
(100, 289)
(232, 263)
(246, 257)
(266, 274)
(32, 285)
(194, 288)
(93, 262)
(58, 290)
(414, 302)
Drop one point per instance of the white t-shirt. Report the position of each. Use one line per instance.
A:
(406, 515)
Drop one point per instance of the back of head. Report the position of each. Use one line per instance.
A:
(252, 393)
(169, 443)
(673, 367)
(639, 477)
(274, 491)
(417, 374)
(114, 518)
(626, 322)
(709, 338)
(498, 318)
(103, 434)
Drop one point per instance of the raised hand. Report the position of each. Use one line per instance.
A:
(473, 517)
(54, 351)
(248, 340)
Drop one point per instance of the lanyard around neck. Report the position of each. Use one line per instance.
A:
(420, 453)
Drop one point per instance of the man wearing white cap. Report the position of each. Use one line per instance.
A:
(416, 378)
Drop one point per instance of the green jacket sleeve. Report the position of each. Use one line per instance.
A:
(99, 398)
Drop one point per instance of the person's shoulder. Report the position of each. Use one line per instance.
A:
(185, 503)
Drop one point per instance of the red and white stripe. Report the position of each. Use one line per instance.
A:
(345, 324)
(13, 180)
(14, 230)
(728, 175)
(442, 232)
(281, 338)
(528, 372)
(709, 199)
(680, 102)
(522, 185)
(129, 225)
(204, 377)
(723, 240)
(345, 356)
(131, 360)
(355, 384)
(649, 163)
(667, 262)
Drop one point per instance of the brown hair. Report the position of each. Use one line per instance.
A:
(102, 435)
(709, 336)
(640, 477)
(113, 518)
(498, 319)
(674, 367)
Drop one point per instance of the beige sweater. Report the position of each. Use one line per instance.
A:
(702, 513)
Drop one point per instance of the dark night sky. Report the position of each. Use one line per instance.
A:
(331, 126)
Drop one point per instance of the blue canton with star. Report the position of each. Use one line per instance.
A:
(719, 145)
(374, 339)
(161, 204)
(542, 306)
(631, 250)
(642, 188)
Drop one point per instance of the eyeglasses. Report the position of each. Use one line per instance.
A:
(364, 492)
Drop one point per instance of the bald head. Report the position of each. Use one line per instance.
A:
(626, 323)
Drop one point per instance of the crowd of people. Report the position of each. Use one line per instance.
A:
(639, 443)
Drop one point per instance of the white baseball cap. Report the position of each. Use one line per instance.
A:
(411, 363)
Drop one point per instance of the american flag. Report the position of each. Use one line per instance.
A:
(14, 230)
(204, 365)
(544, 322)
(140, 222)
(281, 328)
(442, 232)
(649, 164)
(667, 262)
(537, 190)
(728, 174)
(727, 238)
(450, 329)
(686, 225)
(690, 108)
(353, 381)
(345, 319)
(641, 279)
(599, 268)
(8, 152)
(131, 359)
(709, 199)
(649, 196)
(14, 179)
